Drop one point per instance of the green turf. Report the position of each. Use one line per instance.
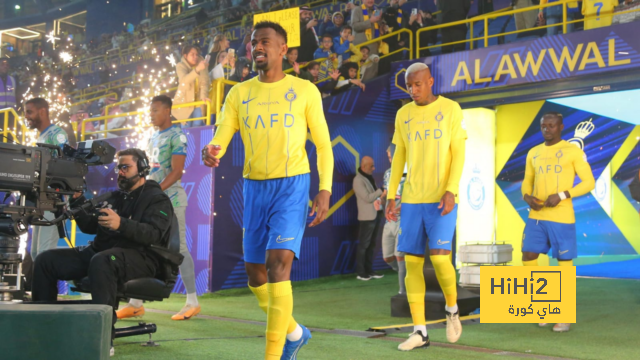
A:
(607, 322)
(211, 339)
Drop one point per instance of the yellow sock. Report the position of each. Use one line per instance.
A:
(262, 294)
(278, 317)
(414, 282)
(565, 262)
(446, 275)
(530, 262)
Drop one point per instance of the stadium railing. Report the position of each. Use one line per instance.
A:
(96, 89)
(133, 100)
(409, 49)
(5, 126)
(201, 31)
(105, 119)
(94, 99)
(220, 83)
(484, 20)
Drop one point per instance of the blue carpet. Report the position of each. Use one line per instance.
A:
(629, 269)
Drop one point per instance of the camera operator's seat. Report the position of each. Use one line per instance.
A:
(150, 289)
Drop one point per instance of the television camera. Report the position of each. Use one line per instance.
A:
(37, 179)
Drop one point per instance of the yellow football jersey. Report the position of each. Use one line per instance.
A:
(553, 169)
(598, 13)
(423, 135)
(273, 119)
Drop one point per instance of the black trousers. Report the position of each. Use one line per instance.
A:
(107, 270)
(367, 235)
(453, 34)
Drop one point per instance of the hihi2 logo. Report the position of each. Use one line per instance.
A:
(518, 294)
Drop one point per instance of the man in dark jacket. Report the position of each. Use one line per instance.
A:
(454, 10)
(308, 37)
(133, 218)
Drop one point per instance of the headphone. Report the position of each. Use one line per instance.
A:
(143, 163)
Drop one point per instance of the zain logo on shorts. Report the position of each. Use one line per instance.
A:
(582, 131)
(280, 239)
(475, 190)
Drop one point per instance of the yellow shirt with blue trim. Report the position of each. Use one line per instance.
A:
(273, 119)
(551, 170)
(423, 137)
(598, 13)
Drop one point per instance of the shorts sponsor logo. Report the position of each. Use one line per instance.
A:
(280, 239)
(563, 252)
(440, 242)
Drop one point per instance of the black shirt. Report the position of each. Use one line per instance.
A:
(145, 217)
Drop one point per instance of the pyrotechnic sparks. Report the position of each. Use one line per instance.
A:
(52, 38)
(172, 60)
(66, 57)
(100, 115)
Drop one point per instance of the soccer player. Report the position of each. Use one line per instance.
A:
(36, 114)
(430, 137)
(273, 112)
(167, 151)
(548, 189)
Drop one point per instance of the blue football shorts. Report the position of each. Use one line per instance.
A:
(421, 221)
(540, 236)
(275, 215)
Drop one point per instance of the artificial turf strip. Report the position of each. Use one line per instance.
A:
(224, 340)
(607, 316)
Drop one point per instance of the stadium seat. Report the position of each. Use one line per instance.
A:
(150, 289)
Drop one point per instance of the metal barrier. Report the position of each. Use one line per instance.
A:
(104, 85)
(369, 42)
(116, 84)
(5, 126)
(94, 99)
(110, 106)
(484, 19)
(220, 83)
(106, 118)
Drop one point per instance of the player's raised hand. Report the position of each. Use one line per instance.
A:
(390, 212)
(209, 155)
(447, 203)
(535, 203)
(320, 207)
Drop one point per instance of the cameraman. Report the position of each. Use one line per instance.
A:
(137, 216)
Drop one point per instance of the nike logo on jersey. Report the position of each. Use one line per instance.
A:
(245, 102)
(563, 252)
(440, 242)
(280, 239)
(408, 121)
